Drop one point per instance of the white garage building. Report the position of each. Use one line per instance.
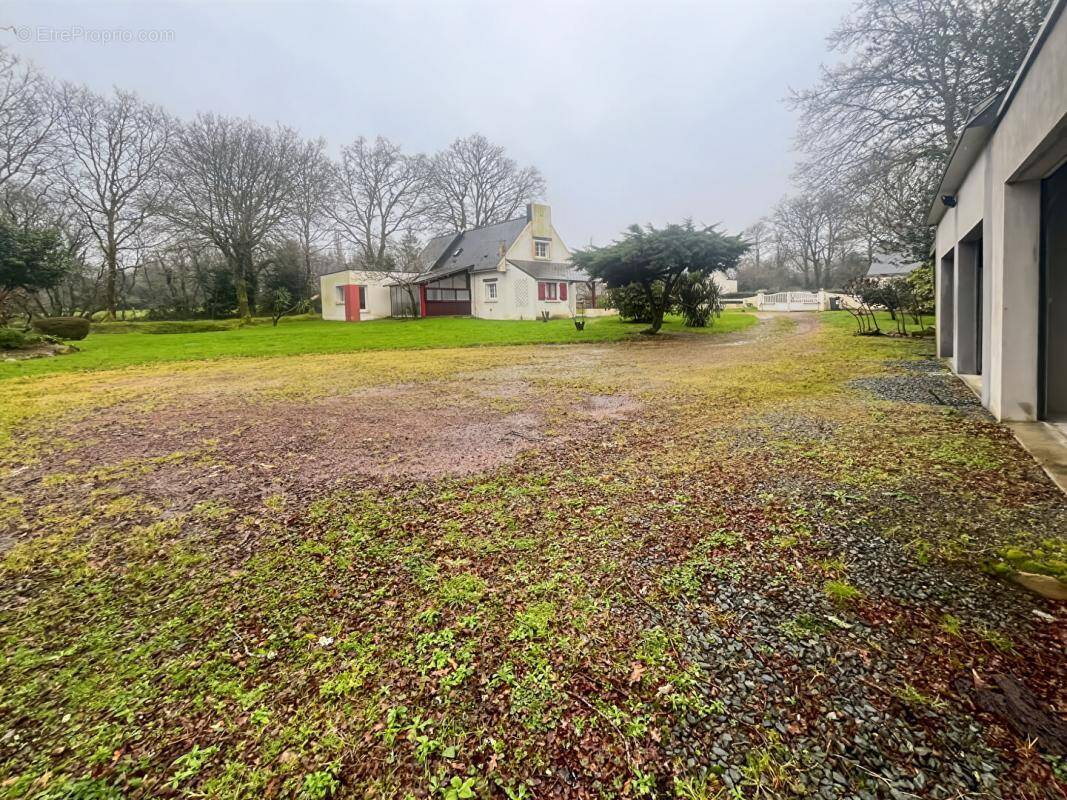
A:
(1001, 243)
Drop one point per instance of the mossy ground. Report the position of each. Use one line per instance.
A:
(514, 632)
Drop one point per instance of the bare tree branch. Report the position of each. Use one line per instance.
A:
(379, 195)
(474, 183)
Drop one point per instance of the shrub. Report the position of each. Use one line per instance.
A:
(698, 299)
(632, 302)
(11, 339)
(63, 327)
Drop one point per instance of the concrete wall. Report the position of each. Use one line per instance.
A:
(516, 297)
(377, 294)
(1003, 192)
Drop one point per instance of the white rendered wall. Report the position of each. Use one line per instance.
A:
(1003, 190)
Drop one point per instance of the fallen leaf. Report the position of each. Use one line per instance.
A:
(637, 671)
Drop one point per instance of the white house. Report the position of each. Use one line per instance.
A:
(516, 269)
(1001, 242)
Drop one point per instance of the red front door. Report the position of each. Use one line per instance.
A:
(352, 295)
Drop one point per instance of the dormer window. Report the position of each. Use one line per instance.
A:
(541, 248)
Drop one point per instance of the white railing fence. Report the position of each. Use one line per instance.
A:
(791, 301)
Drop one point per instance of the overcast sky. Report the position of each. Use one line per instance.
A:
(634, 112)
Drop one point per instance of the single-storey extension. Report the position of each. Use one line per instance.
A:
(1001, 241)
(353, 295)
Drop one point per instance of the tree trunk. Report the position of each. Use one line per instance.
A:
(657, 309)
(241, 268)
(110, 293)
(241, 285)
(111, 264)
(657, 321)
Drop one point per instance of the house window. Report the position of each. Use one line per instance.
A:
(362, 298)
(541, 249)
(449, 290)
(490, 290)
(547, 291)
(339, 295)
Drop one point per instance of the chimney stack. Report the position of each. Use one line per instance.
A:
(540, 215)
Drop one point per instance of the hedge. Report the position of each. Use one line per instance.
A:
(63, 327)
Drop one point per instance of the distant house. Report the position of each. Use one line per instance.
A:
(726, 285)
(1001, 242)
(885, 267)
(515, 269)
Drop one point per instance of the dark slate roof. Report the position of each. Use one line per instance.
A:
(435, 248)
(550, 270)
(477, 249)
(885, 266)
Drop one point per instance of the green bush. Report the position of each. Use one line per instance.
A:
(632, 302)
(11, 339)
(698, 299)
(63, 327)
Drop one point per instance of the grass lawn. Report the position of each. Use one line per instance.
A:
(692, 567)
(131, 347)
(888, 325)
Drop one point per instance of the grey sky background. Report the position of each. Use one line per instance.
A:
(634, 112)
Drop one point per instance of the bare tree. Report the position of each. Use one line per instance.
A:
(474, 183)
(379, 194)
(913, 71)
(756, 235)
(233, 185)
(113, 173)
(917, 69)
(27, 120)
(311, 199)
(815, 232)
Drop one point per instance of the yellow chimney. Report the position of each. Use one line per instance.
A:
(540, 215)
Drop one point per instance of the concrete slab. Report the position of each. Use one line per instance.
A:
(1047, 443)
(974, 383)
